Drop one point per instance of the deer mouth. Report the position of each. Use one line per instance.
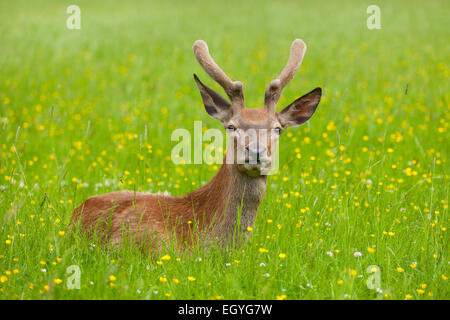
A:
(255, 167)
(256, 159)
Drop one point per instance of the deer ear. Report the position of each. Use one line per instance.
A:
(300, 110)
(216, 106)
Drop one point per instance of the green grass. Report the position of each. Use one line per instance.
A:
(370, 170)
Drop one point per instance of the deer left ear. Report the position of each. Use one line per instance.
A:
(216, 106)
(299, 111)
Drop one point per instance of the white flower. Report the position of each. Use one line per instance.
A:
(262, 264)
(108, 182)
(357, 254)
(98, 185)
(266, 275)
(330, 253)
(44, 270)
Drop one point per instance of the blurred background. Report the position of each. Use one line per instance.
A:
(123, 82)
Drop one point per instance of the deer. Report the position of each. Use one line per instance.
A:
(229, 202)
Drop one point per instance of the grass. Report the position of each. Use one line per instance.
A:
(90, 111)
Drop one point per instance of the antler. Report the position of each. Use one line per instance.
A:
(233, 89)
(275, 87)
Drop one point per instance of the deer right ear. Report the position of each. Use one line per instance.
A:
(216, 106)
(301, 109)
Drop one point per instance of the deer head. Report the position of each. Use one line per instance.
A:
(254, 133)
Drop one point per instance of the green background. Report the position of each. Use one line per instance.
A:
(368, 173)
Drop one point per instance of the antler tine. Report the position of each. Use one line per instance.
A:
(273, 91)
(232, 89)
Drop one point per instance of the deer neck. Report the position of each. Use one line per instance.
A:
(229, 202)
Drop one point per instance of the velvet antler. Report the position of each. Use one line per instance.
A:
(275, 87)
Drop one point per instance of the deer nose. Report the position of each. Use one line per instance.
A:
(256, 151)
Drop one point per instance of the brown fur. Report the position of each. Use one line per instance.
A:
(211, 210)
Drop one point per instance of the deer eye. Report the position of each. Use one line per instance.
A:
(231, 128)
(278, 130)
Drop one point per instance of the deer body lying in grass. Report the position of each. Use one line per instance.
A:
(231, 199)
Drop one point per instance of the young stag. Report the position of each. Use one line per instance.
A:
(228, 204)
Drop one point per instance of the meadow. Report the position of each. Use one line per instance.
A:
(362, 190)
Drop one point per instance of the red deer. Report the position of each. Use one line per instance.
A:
(230, 201)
